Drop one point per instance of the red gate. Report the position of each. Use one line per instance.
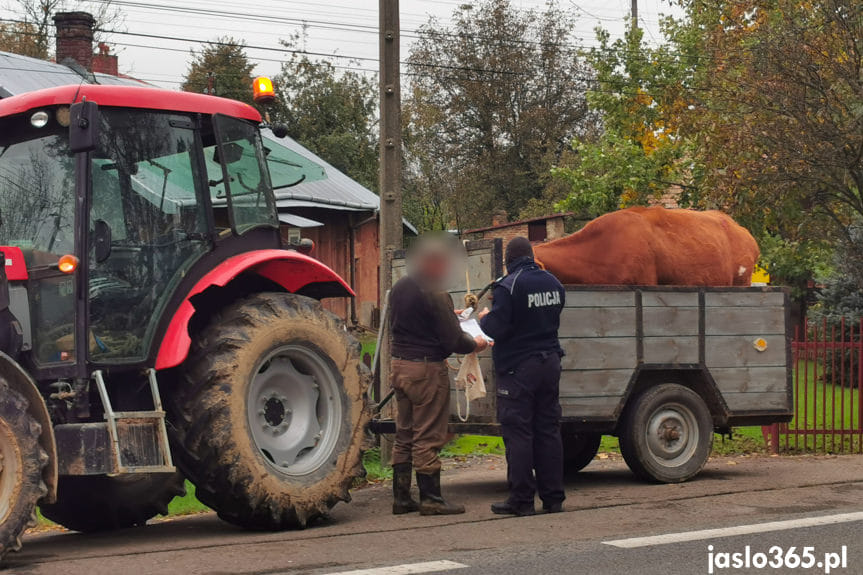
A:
(828, 391)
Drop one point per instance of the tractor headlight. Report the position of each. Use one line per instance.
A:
(39, 119)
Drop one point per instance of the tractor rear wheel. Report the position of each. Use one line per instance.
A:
(21, 464)
(101, 503)
(270, 417)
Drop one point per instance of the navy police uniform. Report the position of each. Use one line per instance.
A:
(524, 322)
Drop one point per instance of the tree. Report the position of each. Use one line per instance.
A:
(332, 113)
(31, 34)
(640, 93)
(21, 38)
(778, 113)
(223, 63)
(493, 101)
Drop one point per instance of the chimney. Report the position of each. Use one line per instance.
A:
(104, 62)
(499, 218)
(75, 38)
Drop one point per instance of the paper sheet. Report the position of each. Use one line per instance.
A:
(471, 327)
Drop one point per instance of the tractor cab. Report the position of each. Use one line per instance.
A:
(130, 188)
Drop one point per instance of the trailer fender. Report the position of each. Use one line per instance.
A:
(293, 271)
(20, 381)
(697, 378)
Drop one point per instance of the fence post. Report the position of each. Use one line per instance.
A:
(771, 437)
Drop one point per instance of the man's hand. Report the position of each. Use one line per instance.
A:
(481, 343)
(483, 313)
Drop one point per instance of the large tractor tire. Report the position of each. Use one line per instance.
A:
(269, 418)
(667, 434)
(21, 463)
(579, 449)
(101, 503)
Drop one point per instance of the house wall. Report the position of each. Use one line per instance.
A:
(333, 247)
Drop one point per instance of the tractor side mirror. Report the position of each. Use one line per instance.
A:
(83, 126)
(101, 240)
(230, 153)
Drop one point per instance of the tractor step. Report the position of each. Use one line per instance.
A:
(138, 440)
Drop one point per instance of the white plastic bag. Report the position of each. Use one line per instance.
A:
(469, 379)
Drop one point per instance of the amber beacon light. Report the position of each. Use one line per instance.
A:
(67, 264)
(262, 88)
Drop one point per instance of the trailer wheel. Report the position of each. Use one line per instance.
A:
(100, 503)
(271, 414)
(667, 434)
(579, 449)
(21, 464)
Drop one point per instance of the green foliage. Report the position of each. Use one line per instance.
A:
(463, 445)
(612, 173)
(494, 99)
(794, 263)
(224, 62)
(188, 504)
(332, 113)
(375, 471)
(640, 94)
(777, 120)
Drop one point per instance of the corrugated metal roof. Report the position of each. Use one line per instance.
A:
(336, 190)
(20, 74)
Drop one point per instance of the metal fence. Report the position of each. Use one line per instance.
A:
(828, 391)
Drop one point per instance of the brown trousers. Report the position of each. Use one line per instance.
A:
(422, 399)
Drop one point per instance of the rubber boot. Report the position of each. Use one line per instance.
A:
(431, 502)
(402, 501)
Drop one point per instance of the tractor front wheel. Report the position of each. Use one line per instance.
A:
(270, 414)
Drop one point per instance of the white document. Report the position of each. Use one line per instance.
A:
(471, 327)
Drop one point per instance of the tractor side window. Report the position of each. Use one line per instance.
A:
(245, 181)
(147, 226)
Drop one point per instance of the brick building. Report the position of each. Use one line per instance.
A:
(537, 230)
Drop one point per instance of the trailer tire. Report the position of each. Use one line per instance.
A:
(23, 459)
(269, 419)
(90, 504)
(579, 449)
(667, 434)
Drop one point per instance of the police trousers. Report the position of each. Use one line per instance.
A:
(423, 405)
(528, 408)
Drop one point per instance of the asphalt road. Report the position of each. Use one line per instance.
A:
(608, 516)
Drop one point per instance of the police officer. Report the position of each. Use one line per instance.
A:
(523, 322)
(425, 331)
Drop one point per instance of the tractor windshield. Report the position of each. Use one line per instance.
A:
(147, 226)
(37, 189)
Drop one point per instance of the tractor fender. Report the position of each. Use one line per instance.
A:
(19, 380)
(295, 272)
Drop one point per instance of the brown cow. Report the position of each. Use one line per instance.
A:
(654, 246)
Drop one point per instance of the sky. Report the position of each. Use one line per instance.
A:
(343, 31)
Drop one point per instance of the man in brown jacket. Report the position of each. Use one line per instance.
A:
(425, 332)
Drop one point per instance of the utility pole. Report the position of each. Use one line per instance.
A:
(390, 237)
(634, 14)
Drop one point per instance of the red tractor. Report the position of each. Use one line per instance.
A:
(144, 268)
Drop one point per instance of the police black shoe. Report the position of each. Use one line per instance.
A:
(553, 508)
(506, 508)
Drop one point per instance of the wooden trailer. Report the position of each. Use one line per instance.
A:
(660, 367)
